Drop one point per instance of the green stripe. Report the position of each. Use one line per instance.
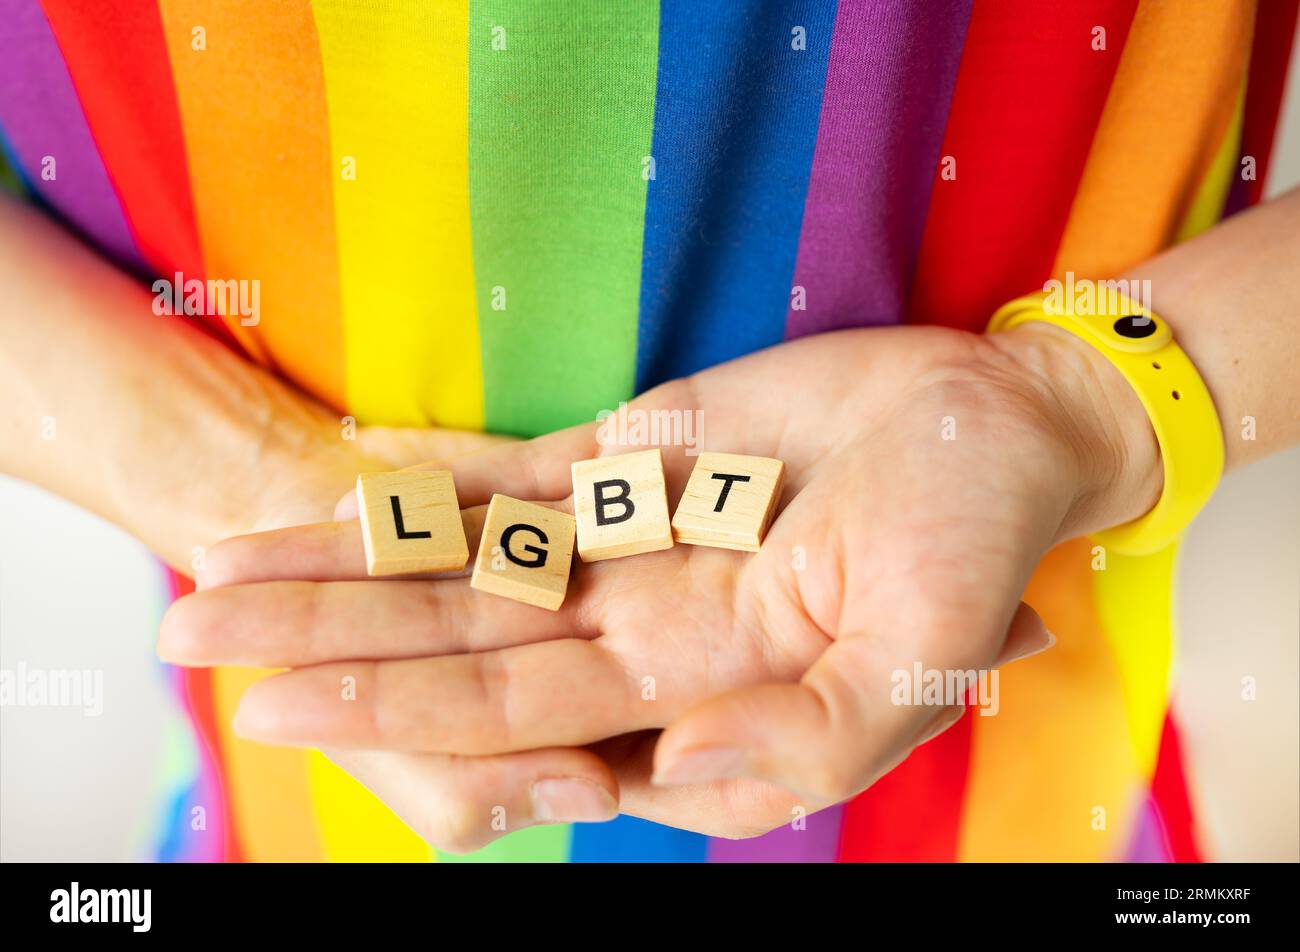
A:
(9, 180)
(536, 844)
(559, 124)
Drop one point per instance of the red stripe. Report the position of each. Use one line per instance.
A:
(1030, 92)
(1029, 95)
(1270, 55)
(198, 691)
(913, 814)
(1169, 790)
(198, 687)
(117, 58)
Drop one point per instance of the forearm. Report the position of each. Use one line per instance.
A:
(142, 419)
(1232, 297)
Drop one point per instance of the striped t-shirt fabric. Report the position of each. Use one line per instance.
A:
(510, 216)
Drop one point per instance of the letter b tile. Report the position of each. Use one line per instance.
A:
(621, 506)
(525, 553)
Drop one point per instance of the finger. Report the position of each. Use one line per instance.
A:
(827, 738)
(733, 809)
(558, 693)
(407, 446)
(532, 469)
(460, 804)
(1026, 637)
(941, 722)
(294, 623)
(322, 552)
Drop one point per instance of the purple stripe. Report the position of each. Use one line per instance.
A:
(888, 87)
(1149, 844)
(817, 842)
(41, 116)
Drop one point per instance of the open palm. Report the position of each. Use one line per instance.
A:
(927, 472)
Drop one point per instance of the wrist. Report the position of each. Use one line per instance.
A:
(1116, 468)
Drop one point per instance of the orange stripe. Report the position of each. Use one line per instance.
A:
(1061, 715)
(1207, 207)
(252, 105)
(268, 787)
(1173, 100)
(1171, 106)
(992, 233)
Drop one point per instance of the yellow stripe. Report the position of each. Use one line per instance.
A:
(1135, 607)
(1207, 206)
(356, 828)
(396, 79)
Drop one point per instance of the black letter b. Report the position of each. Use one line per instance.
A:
(603, 502)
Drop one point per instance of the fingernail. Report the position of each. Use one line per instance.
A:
(570, 800)
(941, 723)
(1051, 640)
(254, 720)
(704, 765)
(346, 508)
(243, 725)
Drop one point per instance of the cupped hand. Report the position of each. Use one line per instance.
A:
(927, 471)
(302, 480)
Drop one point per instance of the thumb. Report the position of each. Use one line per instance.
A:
(413, 447)
(832, 735)
(400, 447)
(482, 464)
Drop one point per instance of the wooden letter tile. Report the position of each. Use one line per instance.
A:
(410, 522)
(525, 553)
(621, 506)
(729, 501)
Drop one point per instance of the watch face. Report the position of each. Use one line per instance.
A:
(1135, 326)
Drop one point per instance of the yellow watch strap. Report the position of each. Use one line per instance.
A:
(1182, 413)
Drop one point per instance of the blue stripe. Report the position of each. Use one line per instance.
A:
(175, 825)
(736, 112)
(629, 840)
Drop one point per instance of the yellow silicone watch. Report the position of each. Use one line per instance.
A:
(1176, 399)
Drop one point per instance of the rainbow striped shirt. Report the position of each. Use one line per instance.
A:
(646, 186)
